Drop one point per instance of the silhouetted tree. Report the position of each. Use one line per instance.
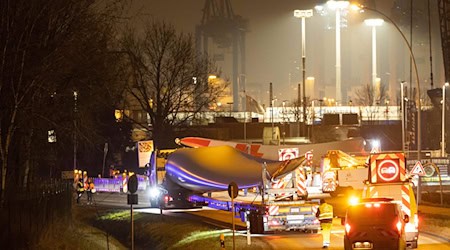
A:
(169, 80)
(49, 49)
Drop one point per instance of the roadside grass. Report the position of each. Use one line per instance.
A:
(167, 232)
(76, 234)
(435, 224)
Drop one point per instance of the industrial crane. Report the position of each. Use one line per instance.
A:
(226, 30)
(444, 20)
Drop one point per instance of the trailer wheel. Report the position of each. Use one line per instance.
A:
(314, 231)
(155, 202)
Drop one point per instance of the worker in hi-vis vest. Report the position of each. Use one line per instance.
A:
(80, 189)
(325, 216)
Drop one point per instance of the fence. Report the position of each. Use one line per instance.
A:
(115, 184)
(26, 215)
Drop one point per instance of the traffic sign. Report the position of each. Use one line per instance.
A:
(287, 153)
(388, 170)
(309, 155)
(132, 184)
(418, 169)
(233, 190)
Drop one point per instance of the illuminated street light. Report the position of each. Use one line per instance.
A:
(443, 120)
(338, 6)
(403, 113)
(374, 23)
(303, 14)
(361, 8)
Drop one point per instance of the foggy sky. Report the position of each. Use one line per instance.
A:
(273, 47)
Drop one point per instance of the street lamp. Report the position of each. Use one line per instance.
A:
(443, 120)
(419, 106)
(303, 14)
(403, 113)
(338, 6)
(75, 110)
(374, 23)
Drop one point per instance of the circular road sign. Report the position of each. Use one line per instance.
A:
(388, 170)
(233, 190)
(132, 184)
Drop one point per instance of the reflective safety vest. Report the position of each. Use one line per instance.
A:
(326, 211)
(80, 187)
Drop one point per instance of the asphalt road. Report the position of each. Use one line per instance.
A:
(287, 240)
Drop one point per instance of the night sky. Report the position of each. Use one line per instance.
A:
(273, 45)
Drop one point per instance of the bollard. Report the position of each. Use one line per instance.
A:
(222, 241)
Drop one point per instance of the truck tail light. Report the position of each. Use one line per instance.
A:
(399, 226)
(347, 228)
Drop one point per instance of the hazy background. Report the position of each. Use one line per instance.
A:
(273, 45)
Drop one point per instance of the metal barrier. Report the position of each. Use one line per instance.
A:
(114, 185)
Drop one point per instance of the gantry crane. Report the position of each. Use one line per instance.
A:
(444, 20)
(225, 30)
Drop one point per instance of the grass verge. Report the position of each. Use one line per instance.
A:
(167, 232)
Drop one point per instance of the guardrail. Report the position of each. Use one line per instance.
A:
(115, 185)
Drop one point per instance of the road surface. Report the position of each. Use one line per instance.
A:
(287, 240)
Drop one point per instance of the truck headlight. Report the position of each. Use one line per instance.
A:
(154, 192)
(353, 200)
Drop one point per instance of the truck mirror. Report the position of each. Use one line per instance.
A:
(406, 218)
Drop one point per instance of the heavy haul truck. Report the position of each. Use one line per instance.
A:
(190, 176)
(343, 173)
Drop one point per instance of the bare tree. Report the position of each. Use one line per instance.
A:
(371, 98)
(169, 80)
(47, 50)
(367, 95)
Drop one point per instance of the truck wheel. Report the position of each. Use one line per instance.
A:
(154, 202)
(413, 244)
(333, 194)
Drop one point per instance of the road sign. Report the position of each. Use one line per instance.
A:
(388, 170)
(309, 155)
(132, 184)
(418, 169)
(67, 175)
(287, 153)
(233, 190)
(132, 199)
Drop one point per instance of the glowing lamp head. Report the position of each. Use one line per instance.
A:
(376, 144)
(303, 13)
(337, 4)
(374, 22)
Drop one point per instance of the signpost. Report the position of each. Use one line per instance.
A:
(419, 171)
(132, 199)
(233, 191)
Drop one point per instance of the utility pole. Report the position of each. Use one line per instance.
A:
(75, 110)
